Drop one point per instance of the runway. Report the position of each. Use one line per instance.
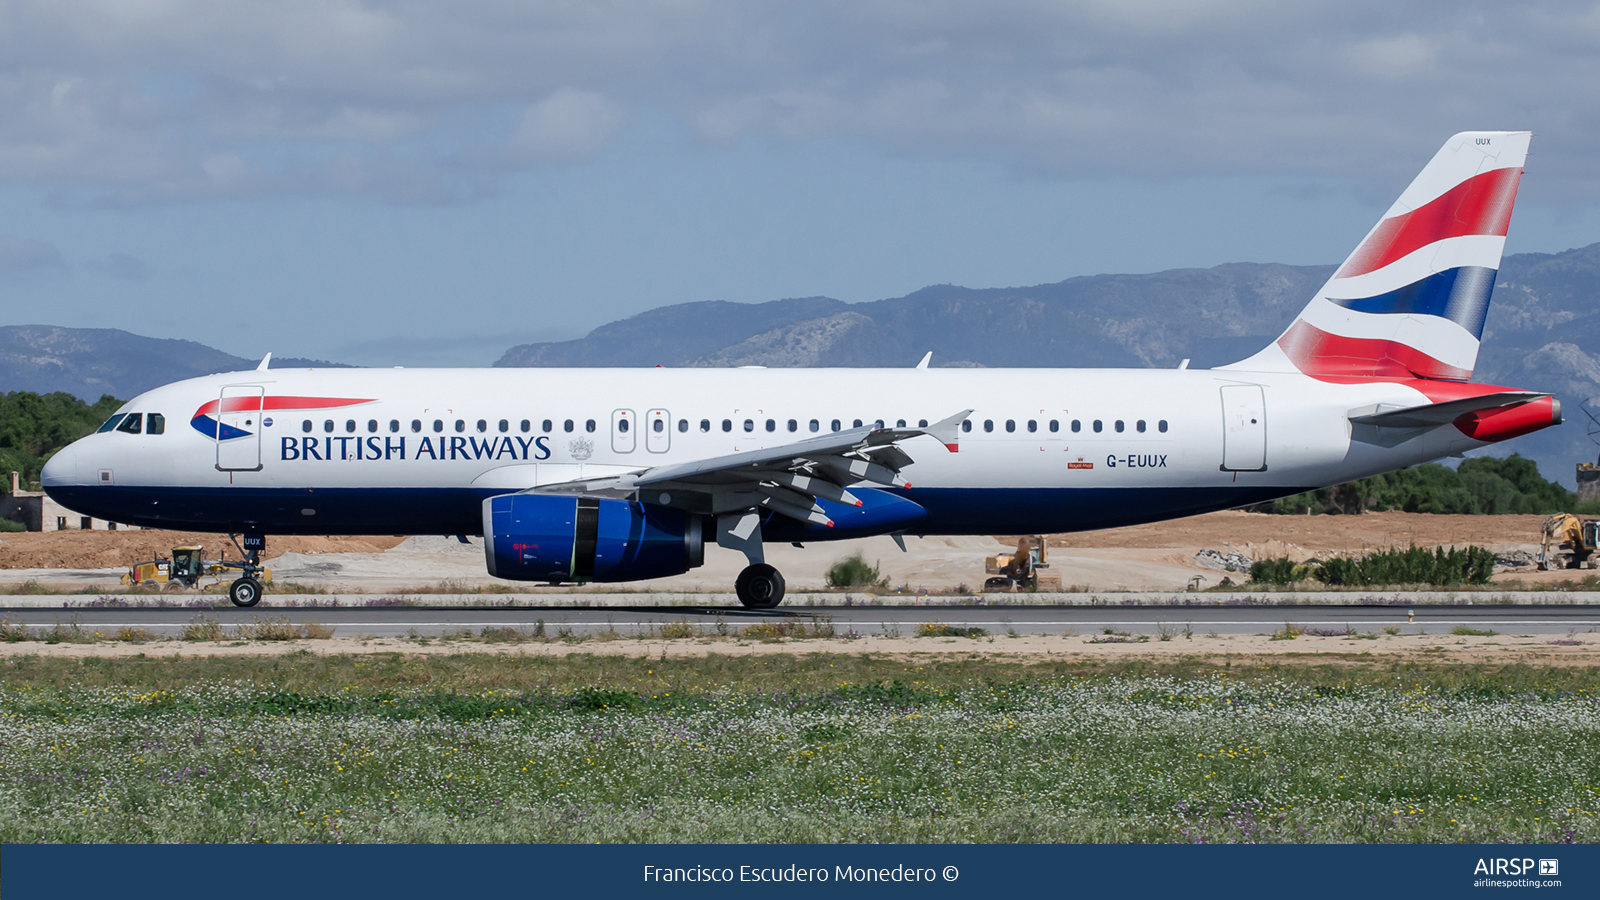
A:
(423, 621)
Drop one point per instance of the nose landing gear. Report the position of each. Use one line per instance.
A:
(246, 590)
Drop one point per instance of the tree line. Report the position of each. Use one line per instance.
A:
(1482, 485)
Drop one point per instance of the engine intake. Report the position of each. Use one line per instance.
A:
(552, 538)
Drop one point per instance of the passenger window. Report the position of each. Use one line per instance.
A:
(1161, 426)
(350, 426)
(589, 426)
(900, 423)
(727, 424)
(705, 424)
(1098, 427)
(815, 426)
(327, 425)
(117, 419)
(877, 423)
(966, 424)
(416, 425)
(546, 426)
(835, 424)
(1119, 426)
(438, 425)
(922, 423)
(793, 425)
(1139, 426)
(394, 425)
(1077, 426)
(749, 425)
(857, 424)
(1055, 426)
(683, 426)
(659, 426)
(1011, 425)
(372, 426)
(988, 424)
(622, 426)
(133, 424)
(505, 426)
(771, 425)
(567, 426)
(1033, 425)
(155, 423)
(527, 426)
(461, 425)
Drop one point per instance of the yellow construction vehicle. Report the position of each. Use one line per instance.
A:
(183, 570)
(1573, 541)
(1023, 568)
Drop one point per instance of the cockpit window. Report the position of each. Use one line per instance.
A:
(111, 423)
(155, 423)
(133, 424)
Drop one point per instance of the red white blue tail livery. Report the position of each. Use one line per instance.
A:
(1410, 301)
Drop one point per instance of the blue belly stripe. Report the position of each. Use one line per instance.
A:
(459, 510)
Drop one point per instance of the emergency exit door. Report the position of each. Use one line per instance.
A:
(239, 428)
(1244, 428)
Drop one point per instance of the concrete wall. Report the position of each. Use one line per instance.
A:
(1588, 482)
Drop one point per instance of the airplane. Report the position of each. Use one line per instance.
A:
(614, 475)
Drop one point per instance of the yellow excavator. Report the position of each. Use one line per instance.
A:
(1567, 542)
(1022, 568)
(183, 570)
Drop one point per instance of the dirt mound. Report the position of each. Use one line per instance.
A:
(107, 549)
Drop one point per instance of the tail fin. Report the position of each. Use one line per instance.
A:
(1411, 300)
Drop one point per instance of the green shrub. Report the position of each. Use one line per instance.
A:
(1414, 565)
(853, 572)
(1282, 570)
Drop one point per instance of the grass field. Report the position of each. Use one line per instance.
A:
(803, 748)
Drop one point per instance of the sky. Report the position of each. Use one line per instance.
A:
(404, 183)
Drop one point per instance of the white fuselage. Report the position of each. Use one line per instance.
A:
(417, 450)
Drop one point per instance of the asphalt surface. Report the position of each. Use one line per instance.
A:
(400, 621)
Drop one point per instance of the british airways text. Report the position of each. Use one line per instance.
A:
(441, 448)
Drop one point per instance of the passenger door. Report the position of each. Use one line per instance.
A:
(658, 431)
(1244, 428)
(239, 428)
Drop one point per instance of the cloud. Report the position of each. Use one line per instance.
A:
(120, 266)
(411, 102)
(22, 255)
(568, 124)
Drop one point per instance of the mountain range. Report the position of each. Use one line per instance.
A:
(89, 362)
(1541, 329)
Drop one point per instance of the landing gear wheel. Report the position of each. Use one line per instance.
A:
(245, 592)
(759, 587)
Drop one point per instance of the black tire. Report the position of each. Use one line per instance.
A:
(759, 587)
(245, 592)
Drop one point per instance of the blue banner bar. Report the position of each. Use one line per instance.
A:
(393, 872)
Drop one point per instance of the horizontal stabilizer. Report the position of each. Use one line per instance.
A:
(1436, 414)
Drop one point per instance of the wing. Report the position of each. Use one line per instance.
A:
(788, 480)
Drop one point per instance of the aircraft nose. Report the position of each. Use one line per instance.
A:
(61, 469)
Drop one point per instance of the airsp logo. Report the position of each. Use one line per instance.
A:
(580, 448)
(1549, 867)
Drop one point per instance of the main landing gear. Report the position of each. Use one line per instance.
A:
(759, 587)
(246, 590)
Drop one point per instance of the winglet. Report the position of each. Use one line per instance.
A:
(948, 431)
(264, 360)
(926, 358)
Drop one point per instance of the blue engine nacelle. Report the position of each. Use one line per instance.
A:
(547, 537)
